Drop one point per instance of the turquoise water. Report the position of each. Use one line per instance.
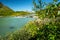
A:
(11, 24)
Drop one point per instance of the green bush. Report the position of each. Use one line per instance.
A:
(50, 31)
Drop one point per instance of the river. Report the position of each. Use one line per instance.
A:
(11, 24)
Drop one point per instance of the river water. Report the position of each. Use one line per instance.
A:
(11, 24)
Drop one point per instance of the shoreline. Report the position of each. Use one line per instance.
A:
(19, 16)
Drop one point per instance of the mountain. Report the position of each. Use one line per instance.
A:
(21, 13)
(4, 10)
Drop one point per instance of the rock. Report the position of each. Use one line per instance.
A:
(11, 27)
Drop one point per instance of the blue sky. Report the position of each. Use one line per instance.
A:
(20, 5)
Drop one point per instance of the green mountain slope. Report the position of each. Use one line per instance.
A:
(4, 10)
